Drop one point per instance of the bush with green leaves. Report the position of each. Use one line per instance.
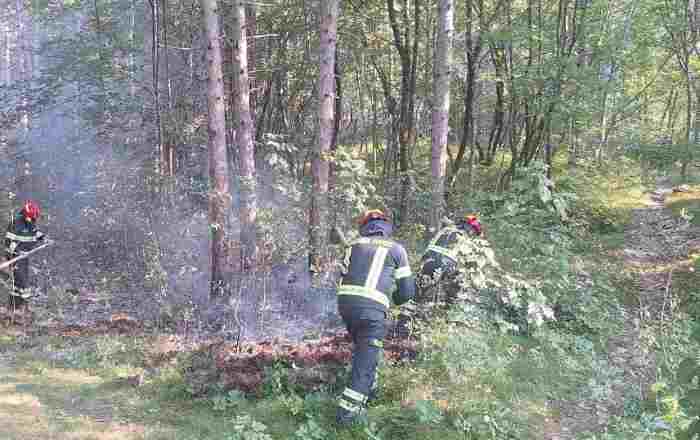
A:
(605, 194)
(688, 379)
(230, 401)
(246, 427)
(311, 429)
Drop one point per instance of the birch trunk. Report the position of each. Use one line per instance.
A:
(441, 109)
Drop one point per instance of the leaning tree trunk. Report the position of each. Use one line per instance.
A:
(219, 196)
(319, 198)
(244, 138)
(441, 107)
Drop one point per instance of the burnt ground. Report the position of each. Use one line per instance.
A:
(656, 245)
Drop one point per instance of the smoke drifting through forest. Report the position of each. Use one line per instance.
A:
(128, 238)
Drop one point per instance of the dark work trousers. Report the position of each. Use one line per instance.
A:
(367, 326)
(428, 281)
(20, 274)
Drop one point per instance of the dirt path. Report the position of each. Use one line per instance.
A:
(654, 241)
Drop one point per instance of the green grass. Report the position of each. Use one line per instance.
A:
(498, 384)
(686, 202)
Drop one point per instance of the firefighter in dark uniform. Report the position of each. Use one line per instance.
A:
(22, 235)
(372, 264)
(439, 263)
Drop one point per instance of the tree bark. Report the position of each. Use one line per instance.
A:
(441, 107)
(406, 130)
(219, 196)
(472, 52)
(251, 28)
(319, 221)
(244, 138)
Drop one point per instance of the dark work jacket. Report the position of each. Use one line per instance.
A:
(441, 246)
(21, 234)
(372, 264)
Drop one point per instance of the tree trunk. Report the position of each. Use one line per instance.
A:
(441, 107)
(168, 148)
(688, 118)
(337, 116)
(151, 71)
(219, 196)
(319, 225)
(244, 138)
(6, 55)
(406, 129)
(251, 28)
(472, 52)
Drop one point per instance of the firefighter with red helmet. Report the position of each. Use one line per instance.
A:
(372, 264)
(439, 263)
(22, 235)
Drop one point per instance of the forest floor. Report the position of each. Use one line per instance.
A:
(657, 245)
(115, 379)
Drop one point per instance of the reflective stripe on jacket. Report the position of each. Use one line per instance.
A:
(443, 241)
(372, 264)
(21, 235)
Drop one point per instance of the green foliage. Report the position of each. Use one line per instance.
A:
(686, 205)
(293, 404)
(277, 380)
(605, 195)
(232, 400)
(688, 375)
(107, 352)
(530, 200)
(311, 429)
(246, 427)
(428, 413)
(354, 190)
(661, 156)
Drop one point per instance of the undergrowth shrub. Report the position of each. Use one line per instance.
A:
(605, 195)
(246, 427)
(541, 231)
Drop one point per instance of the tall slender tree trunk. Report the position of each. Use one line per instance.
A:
(441, 107)
(6, 54)
(243, 126)
(151, 69)
(251, 21)
(689, 138)
(472, 52)
(406, 129)
(319, 216)
(168, 147)
(23, 58)
(219, 196)
(337, 117)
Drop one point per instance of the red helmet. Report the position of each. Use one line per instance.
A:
(472, 221)
(372, 214)
(30, 210)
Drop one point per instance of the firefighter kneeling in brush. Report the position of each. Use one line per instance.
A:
(372, 263)
(440, 262)
(22, 236)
